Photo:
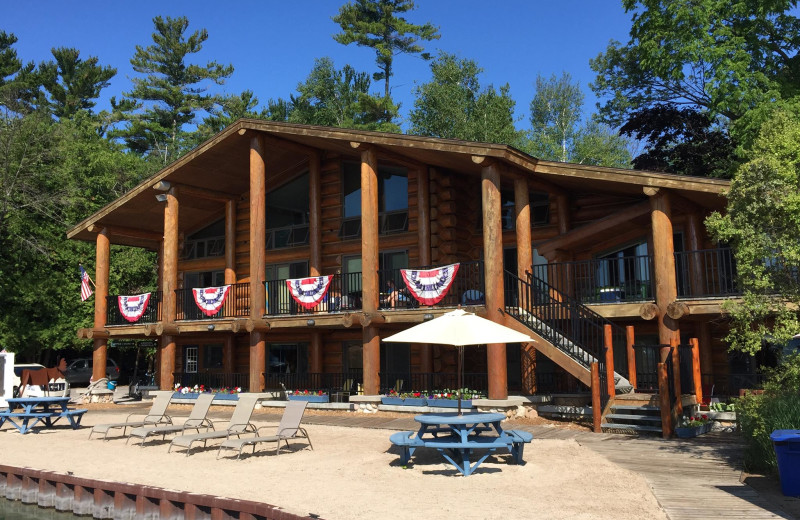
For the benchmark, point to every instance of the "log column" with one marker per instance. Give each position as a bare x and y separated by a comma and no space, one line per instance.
424,245
493,272
522,209
169,277
697,275
230,243
315,245
369,268
102,268
663,264
258,238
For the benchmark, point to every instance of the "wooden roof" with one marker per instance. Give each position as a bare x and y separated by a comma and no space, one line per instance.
218,170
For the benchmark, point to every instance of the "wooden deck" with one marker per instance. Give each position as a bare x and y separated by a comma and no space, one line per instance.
691,479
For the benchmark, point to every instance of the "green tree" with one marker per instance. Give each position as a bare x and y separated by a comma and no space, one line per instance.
557,133
452,105
20,85
171,93
225,113
762,224
376,24
73,83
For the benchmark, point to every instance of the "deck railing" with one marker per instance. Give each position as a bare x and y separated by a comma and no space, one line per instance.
314,381
237,304
152,313
430,381
344,295
467,288
213,379
706,273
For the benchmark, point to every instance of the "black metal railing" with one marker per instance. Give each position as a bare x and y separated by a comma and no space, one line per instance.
213,379
729,385
314,381
571,327
344,295
557,382
237,304
706,273
601,280
467,288
647,359
430,381
152,314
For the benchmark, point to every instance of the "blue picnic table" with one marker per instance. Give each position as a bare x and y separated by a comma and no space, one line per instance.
40,410
457,436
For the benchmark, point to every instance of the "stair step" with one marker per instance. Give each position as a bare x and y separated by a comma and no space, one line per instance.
636,427
634,407
634,417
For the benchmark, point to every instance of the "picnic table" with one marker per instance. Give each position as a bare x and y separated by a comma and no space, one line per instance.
457,436
45,410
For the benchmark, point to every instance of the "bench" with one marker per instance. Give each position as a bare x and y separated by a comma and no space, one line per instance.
457,452
407,443
520,438
74,416
25,419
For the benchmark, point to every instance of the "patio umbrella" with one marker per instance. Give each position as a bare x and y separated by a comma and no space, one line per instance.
459,328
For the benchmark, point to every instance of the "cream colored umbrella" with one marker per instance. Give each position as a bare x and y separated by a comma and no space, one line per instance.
459,328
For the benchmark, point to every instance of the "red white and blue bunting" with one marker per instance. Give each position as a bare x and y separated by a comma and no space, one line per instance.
308,292
429,286
210,299
132,307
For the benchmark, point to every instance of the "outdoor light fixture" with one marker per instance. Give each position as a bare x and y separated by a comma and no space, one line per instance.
311,323
161,197
211,328
162,186
427,316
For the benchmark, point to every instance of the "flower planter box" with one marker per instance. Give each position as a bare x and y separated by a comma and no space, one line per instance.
686,432
410,401
310,398
226,397
450,403
188,395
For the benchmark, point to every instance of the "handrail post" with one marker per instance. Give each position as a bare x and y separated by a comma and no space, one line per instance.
596,411
696,374
608,343
629,340
676,375
663,394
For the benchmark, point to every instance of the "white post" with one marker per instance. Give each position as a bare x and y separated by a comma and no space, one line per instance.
6,377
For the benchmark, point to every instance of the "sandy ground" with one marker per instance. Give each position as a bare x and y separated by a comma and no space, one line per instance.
353,473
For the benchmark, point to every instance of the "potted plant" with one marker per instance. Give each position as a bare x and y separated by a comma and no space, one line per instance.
193,392
317,396
693,426
449,398
404,398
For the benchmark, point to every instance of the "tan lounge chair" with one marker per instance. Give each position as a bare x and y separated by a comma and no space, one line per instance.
197,420
289,428
239,424
156,415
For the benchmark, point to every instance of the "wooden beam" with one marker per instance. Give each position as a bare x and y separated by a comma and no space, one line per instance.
664,265
608,343
242,131
696,374
631,354
256,324
167,328
285,144
677,310
371,318
651,191
258,237
664,404
588,232
315,215
183,190
648,311
124,232
597,412
98,333
483,160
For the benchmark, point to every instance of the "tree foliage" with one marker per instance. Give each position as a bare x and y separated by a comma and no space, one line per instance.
376,24
72,83
762,224
171,93
453,105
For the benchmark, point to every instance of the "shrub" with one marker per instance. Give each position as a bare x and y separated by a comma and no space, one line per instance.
778,408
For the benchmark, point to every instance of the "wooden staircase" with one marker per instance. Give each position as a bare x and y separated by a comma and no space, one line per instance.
633,413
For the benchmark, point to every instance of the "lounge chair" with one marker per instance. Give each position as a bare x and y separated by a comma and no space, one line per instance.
197,420
289,428
156,415
239,424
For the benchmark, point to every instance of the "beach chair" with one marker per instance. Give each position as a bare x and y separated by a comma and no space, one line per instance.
156,415
239,424
289,428
197,420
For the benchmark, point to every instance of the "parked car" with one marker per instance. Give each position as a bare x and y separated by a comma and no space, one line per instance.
79,371
58,388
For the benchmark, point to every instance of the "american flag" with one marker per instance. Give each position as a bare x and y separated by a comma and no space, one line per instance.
86,291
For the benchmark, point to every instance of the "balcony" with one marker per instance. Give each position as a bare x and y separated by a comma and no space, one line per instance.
237,304
152,313
706,273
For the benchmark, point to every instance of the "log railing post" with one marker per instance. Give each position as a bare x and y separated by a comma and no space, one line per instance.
696,374
258,239
609,348
629,340
597,412
664,404
676,375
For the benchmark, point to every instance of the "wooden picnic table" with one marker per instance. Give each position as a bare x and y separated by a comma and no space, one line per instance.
456,436
41,410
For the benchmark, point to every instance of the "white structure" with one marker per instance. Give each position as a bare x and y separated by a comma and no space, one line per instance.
6,377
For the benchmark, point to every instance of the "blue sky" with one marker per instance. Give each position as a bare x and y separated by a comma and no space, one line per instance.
272,45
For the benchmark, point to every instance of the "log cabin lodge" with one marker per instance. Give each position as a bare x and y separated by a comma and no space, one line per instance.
578,257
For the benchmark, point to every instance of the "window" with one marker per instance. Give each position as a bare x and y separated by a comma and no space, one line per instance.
279,301
212,357
392,200
190,359
288,358
203,279
540,209
206,243
352,356
287,214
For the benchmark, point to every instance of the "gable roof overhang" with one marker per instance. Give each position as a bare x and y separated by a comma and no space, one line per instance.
219,170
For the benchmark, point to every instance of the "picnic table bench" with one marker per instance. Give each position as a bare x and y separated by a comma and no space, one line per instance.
462,435
44,410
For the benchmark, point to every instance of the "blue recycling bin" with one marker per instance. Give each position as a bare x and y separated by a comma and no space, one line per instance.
111,385
787,450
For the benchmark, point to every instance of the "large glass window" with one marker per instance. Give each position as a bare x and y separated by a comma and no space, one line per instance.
279,301
208,242
540,209
212,357
288,358
392,200
287,214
